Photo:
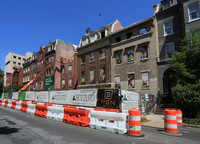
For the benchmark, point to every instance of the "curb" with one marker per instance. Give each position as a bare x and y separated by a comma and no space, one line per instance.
191,125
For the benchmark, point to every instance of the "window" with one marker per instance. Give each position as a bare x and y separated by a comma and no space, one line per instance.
24,59
102,74
169,50
70,69
83,79
144,52
143,31
83,58
131,80
19,63
63,70
84,42
145,79
193,11
19,58
8,84
70,83
168,28
92,38
129,35
14,62
92,76
49,48
8,78
92,56
117,81
166,4
63,83
118,39
118,57
130,55
102,34
102,52
14,56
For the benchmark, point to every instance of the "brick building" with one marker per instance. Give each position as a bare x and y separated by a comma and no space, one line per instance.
17,76
133,58
63,75
94,57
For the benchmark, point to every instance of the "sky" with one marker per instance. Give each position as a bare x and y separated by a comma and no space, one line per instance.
26,24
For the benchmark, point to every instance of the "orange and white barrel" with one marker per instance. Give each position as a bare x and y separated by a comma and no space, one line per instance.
170,122
179,117
134,122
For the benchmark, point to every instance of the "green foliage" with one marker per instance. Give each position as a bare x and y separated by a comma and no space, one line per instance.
195,121
186,92
12,88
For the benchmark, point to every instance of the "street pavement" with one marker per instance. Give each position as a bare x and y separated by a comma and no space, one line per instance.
17,128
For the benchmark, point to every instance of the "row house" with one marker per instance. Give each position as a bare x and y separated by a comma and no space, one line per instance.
17,76
55,71
94,57
174,19
133,58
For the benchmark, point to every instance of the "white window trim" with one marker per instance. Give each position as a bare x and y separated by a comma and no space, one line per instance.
198,12
165,50
165,34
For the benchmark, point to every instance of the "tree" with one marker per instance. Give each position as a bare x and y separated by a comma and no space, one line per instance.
186,92
1,81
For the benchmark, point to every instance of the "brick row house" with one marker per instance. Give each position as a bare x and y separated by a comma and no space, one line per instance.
94,57
57,72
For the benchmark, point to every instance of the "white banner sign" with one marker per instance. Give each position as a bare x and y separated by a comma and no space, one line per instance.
42,96
84,97
30,95
59,97
15,96
130,100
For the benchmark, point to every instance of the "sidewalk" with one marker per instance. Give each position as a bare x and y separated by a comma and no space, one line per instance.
154,120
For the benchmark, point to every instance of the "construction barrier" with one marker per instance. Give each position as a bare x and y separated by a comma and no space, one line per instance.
31,109
6,103
179,117
15,96
9,103
76,117
170,122
55,113
134,122
18,105
107,110
67,106
24,106
1,102
41,111
108,121
13,104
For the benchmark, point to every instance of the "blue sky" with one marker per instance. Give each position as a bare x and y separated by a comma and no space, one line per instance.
26,24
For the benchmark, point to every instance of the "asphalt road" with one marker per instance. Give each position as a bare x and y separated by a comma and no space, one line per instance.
21,128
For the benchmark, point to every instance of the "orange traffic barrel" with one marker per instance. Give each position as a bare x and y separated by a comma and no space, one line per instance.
170,122
134,122
179,117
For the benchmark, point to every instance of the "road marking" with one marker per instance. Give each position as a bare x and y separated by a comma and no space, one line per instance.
184,131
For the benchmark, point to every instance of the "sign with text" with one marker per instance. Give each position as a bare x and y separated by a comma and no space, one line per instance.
108,98
15,96
42,96
84,97
130,100
49,83
30,95
59,97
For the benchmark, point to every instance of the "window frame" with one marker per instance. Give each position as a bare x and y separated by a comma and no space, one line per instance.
92,81
164,28
92,58
132,73
148,82
83,82
166,57
197,11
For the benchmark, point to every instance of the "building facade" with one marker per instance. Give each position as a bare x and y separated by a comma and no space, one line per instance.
133,58
12,61
174,20
94,57
62,75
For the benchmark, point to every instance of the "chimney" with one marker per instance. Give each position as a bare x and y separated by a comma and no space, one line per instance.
88,30
155,9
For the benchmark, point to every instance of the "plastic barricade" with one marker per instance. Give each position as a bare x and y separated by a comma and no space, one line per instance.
47,104
76,117
34,103
24,107
67,106
107,110
179,117
41,111
18,105
55,113
108,121
6,103
31,109
1,102
13,104
9,103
